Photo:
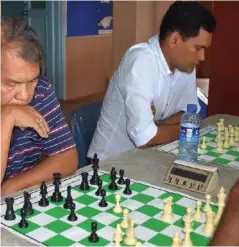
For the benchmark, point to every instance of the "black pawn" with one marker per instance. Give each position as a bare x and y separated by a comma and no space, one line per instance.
69,199
23,223
113,185
99,190
95,178
127,190
84,184
27,204
121,178
72,216
93,238
103,203
56,196
10,214
113,171
43,188
43,201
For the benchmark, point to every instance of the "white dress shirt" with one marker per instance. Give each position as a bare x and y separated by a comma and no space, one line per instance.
142,78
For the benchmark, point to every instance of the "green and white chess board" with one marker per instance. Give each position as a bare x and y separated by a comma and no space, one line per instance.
229,157
49,225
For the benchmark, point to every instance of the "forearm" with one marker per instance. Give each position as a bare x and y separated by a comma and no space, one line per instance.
64,163
174,119
165,133
6,134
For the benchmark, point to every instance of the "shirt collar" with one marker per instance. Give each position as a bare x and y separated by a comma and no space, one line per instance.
154,42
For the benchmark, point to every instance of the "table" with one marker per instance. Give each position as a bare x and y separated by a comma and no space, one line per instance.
147,165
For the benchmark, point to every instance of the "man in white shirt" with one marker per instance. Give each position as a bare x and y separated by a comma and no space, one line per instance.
155,76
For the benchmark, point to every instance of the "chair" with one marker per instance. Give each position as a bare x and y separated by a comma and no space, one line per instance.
83,125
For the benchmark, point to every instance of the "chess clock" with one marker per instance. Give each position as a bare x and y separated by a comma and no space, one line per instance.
193,177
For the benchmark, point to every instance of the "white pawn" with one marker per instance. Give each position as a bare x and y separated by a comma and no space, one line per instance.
198,214
226,144
222,123
117,209
167,212
203,145
130,234
125,221
176,239
207,206
221,196
219,148
209,226
118,236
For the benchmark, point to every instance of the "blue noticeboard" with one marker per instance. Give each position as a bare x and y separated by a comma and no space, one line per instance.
83,17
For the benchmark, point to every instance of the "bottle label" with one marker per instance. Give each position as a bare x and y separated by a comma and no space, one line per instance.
189,134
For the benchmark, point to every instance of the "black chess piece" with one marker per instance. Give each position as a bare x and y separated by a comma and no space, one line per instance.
27,206
113,171
99,190
23,223
95,161
103,203
93,238
127,190
69,199
84,183
72,216
121,178
43,188
10,214
113,185
95,178
43,201
56,196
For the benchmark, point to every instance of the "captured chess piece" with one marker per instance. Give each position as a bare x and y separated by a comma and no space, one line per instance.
121,180
99,190
69,199
84,183
23,223
93,238
103,203
56,196
72,216
10,214
127,190
27,206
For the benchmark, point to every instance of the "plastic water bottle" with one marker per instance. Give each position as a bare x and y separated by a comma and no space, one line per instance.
189,135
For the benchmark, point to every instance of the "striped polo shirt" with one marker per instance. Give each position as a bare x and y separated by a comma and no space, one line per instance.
27,146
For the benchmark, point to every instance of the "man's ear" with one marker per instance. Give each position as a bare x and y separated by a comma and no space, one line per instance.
174,39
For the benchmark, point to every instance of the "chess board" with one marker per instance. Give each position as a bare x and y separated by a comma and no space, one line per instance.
49,226
229,157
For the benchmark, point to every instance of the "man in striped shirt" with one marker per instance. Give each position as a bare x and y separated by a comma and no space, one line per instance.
32,122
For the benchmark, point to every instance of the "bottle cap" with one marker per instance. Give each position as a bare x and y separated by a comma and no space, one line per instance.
191,108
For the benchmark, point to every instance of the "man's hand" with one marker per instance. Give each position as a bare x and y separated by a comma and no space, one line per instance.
25,116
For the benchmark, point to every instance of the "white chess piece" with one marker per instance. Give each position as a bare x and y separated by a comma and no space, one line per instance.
188,220
203,145
117,209
209,225
138,244
219,148
176,240
198,214
125,221
167,212
118,236
130,234
222,123
226,143
221,196
207,206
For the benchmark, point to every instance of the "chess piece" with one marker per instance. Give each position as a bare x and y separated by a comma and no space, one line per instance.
198,214
113,172
93,238
176,239
99,190
203,145
117,209
127,190
207,206
138,244
23,223
113,185
125,222
84,183
43,201
221,204
130,234
72,216
209,225
103,202
188,220
117,236
219,148
167,212
226,143
27,204
69,199
121,178
43,188
95,161
222,123
56,196
95,178
10,214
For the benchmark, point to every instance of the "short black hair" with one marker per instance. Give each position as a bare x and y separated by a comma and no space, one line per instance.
187,17
18,35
